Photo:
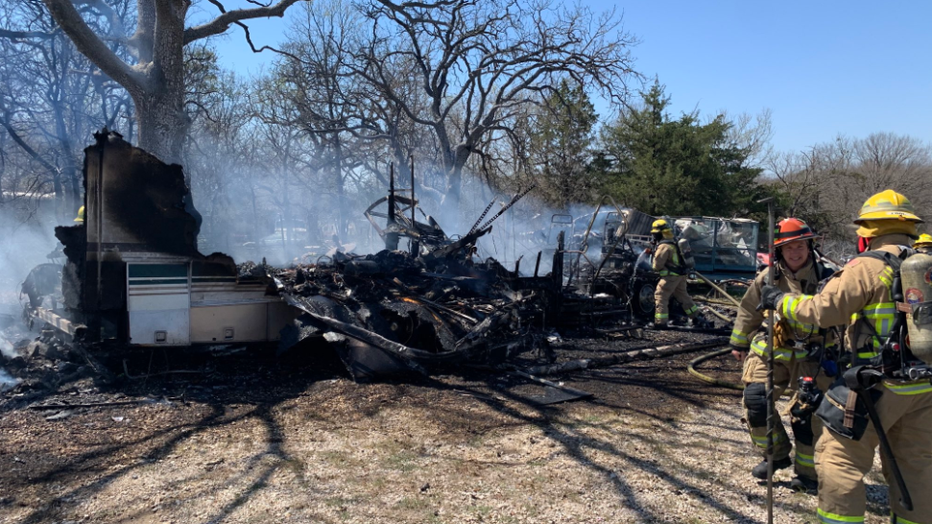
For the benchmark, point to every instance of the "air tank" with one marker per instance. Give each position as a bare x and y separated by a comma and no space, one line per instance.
916,277
687,252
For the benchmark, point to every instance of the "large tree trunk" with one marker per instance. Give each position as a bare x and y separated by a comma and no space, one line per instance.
156,81
451,199
160,103
162,125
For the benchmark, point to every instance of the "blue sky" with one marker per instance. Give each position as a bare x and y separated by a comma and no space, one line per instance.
822,67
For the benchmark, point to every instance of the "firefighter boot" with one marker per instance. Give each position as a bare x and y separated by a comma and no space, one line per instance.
760,470
700,322
801,483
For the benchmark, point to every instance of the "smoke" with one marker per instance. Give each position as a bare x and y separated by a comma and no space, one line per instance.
255,207
9,352
6,348
7,381
27,237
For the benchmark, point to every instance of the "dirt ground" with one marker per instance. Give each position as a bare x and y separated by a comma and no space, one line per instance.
251,437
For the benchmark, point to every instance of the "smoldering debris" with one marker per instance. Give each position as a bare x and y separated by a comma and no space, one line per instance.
390,313
31,368
134,278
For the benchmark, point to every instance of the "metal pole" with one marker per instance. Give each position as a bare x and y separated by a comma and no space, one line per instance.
770,349
391,235
415,247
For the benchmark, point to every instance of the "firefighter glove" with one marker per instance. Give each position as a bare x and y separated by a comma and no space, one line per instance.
770,297
738,348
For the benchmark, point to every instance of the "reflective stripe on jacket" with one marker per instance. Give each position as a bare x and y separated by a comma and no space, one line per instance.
749,322
666,261
860,295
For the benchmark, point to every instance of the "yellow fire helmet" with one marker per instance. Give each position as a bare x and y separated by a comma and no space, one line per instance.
924,240
80,218
659,226
887,205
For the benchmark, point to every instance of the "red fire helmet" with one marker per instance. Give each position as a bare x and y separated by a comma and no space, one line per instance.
790,230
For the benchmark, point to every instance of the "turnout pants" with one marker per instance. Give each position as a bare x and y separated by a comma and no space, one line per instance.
675,287
786,373
842,463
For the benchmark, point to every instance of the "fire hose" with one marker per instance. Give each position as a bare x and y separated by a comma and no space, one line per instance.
709,356
724,293
705,378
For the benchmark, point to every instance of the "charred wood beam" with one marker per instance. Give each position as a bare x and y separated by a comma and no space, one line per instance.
460,244
489,324
578,392
422,300
648,352
406,353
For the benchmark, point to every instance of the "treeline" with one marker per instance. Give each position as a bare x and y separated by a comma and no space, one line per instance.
478,99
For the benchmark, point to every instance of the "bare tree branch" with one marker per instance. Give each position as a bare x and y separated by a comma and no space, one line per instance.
24,35
4,121
223,22
92,46
263,48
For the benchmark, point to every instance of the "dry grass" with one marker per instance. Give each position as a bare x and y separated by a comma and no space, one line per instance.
363,454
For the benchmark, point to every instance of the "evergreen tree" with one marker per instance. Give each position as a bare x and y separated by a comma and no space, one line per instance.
676,167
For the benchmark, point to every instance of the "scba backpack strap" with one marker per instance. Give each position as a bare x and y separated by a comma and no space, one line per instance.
896,292
842,411
679,269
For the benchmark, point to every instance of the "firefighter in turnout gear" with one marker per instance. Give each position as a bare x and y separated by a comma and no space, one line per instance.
799,348
667,262
924,244
862,296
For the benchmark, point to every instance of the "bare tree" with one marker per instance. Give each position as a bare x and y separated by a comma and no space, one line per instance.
828,183
49,95
753,132
155,76
476,63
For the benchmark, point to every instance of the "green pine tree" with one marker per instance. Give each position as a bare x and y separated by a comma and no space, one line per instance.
663,166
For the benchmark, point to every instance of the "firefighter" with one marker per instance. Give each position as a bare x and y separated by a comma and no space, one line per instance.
862,296
667,262
924,244
80,218
799,349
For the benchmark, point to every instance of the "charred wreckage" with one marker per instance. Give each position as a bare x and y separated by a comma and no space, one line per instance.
132,276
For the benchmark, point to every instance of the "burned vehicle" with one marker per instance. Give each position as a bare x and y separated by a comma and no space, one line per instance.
612,280
607,269
134,278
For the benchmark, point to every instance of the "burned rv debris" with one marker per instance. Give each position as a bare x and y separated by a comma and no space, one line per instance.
417,309
132,277
607,274
132,274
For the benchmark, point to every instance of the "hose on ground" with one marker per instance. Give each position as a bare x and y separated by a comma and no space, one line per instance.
719,315
705,378
719,289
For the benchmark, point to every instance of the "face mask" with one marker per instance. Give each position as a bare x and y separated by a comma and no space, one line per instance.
863,244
